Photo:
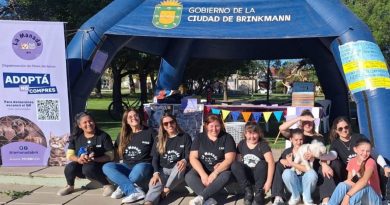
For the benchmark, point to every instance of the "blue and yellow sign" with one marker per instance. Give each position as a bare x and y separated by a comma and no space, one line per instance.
167,14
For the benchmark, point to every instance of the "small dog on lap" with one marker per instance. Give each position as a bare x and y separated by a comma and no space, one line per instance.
316,148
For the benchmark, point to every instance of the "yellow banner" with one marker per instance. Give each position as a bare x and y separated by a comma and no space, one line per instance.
225,113
368,64
267,115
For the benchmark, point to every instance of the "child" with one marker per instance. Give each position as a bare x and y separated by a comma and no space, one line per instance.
254,157
297,184
362,184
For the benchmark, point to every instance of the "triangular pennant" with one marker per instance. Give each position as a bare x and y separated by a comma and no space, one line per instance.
246,115
266,116
215,111
235,115
256,116
208,109
278,115
225,113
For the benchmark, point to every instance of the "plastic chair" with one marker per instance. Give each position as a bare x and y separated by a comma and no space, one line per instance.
326,106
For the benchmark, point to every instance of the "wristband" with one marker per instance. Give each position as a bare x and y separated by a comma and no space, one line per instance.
158,173
348,195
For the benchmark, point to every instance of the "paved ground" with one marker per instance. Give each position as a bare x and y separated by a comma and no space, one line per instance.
39,185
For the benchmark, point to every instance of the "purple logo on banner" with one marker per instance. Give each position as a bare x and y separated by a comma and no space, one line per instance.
27,45
24,154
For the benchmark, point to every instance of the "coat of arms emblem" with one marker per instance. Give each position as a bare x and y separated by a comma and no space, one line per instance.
167,14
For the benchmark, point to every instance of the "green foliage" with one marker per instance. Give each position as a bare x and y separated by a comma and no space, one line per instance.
15,194
376,14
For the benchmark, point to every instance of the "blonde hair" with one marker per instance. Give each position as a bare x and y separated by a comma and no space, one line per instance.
162,136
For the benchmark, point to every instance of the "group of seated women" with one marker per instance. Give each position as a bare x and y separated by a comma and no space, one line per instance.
162,160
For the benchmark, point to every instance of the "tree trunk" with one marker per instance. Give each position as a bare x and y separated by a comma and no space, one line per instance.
143,86
225,88
116,90
131,84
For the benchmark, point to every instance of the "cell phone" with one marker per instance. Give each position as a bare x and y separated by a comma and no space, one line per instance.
355,178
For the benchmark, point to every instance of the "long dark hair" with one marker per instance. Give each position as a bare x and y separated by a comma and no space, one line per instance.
126,133
333,130
76,130
363,164
162,135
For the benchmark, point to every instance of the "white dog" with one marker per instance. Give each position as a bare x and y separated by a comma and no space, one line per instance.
316,148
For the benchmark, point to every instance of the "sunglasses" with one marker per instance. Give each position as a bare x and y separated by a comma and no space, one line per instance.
341,128
169,122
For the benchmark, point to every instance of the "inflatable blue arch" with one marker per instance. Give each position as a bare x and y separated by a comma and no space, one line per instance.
341,46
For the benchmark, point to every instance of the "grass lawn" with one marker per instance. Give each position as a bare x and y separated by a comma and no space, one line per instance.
98,108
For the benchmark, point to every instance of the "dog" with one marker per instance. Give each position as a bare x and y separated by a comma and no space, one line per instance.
316,148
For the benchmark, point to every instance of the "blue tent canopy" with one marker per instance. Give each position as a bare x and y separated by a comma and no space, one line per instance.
324,31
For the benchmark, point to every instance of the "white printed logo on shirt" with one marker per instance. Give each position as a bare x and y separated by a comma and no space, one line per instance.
171,156
251,160
209,157
132,151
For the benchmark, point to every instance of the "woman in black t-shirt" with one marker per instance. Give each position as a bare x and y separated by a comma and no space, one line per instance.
255,164
342,142
134,145
325,172
170,154
89,148
211,156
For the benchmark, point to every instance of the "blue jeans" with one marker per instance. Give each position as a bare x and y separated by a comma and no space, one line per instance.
125,176
304,184
366,196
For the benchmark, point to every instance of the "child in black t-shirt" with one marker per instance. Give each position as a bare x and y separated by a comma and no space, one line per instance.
255,164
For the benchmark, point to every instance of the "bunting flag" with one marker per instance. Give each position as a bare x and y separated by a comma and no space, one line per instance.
215,111
225,113
256,116
267,115
246,115
235,115
207,109
278,115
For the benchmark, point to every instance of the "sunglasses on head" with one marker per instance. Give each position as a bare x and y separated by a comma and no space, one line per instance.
341,128
169,122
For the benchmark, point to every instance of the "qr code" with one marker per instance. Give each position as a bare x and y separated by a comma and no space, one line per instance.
48,109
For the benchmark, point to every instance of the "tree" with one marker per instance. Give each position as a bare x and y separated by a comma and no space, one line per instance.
205,72
376,14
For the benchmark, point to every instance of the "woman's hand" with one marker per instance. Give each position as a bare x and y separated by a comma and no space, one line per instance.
326,170
181,165
308,155
289,159
267,187
212,177
306,118
83,159
204,178
156,178
345,200
285,163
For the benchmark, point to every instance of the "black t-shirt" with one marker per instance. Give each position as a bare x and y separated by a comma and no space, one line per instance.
139,148
251,157
101,142
177,148
211,153
345,149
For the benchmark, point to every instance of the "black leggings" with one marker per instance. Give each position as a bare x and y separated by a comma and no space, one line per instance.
247,176
91,170
278,188
193,180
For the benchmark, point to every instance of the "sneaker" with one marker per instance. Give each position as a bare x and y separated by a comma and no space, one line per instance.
278,201
108,190
117,194
196,201
137,195
294,201
65,191
248,196
210,201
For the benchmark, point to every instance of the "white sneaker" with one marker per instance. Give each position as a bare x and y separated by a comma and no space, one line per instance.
210,201
137,195
117,194
196,201
294,201
278,201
